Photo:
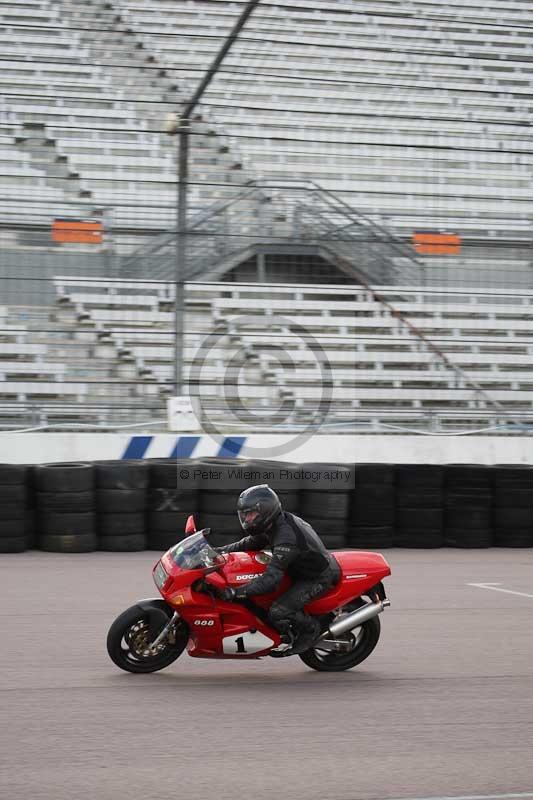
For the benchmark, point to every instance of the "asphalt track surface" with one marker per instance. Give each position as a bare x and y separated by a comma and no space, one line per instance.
444,706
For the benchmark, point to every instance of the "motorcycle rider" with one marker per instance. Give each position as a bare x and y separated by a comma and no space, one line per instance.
297,551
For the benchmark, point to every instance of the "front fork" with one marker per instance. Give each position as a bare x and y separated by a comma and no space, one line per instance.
165,631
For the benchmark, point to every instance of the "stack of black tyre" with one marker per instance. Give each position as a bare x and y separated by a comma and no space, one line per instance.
467,505
31,514
325,501
372,515
131,505
512,511
174,494
66,507
419,505
121,499
15,508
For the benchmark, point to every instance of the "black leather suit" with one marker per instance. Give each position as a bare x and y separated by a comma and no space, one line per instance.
297,551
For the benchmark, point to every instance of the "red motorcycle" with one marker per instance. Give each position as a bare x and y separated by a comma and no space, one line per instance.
153,633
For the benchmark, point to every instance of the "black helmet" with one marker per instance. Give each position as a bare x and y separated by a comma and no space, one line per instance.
257,508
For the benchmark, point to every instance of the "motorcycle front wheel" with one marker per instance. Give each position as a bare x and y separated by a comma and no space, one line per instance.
359,643
128,640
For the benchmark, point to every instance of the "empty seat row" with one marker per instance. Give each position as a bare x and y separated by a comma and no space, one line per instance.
416,82
366,63
490,355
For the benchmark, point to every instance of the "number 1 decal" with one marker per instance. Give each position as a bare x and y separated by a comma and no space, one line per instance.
246,644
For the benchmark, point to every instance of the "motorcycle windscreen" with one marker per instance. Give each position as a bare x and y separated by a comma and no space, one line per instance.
195,552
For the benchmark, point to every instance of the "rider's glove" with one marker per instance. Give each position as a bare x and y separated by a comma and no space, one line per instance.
230,594
227,594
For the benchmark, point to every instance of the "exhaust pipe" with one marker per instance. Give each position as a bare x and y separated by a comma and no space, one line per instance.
356,618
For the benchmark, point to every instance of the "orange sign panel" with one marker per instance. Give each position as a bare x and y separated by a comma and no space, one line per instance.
77,231
436,244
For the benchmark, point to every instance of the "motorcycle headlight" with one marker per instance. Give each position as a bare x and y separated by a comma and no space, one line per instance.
160,576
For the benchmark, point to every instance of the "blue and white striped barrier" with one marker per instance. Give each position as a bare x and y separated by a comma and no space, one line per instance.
183,447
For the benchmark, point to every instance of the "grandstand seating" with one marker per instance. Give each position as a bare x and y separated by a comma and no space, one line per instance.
446,80
401,352
415,117
88,120
432,350
423,123
53,368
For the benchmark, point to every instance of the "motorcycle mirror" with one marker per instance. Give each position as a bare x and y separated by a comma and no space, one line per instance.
190,525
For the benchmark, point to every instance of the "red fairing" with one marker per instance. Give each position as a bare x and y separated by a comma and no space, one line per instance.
360,572
244,567
219,629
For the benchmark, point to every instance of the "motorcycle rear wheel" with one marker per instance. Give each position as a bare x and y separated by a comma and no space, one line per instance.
365,637
128,638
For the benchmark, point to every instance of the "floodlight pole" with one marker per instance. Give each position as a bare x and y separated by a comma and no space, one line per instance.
181,253
183,132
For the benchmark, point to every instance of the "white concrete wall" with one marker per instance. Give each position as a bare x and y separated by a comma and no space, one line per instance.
35,448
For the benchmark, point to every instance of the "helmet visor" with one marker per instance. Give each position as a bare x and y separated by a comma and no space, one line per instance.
248,518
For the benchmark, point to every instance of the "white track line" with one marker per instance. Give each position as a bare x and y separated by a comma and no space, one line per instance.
521,795
495,588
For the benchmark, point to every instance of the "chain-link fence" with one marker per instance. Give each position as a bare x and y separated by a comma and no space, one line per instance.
358,244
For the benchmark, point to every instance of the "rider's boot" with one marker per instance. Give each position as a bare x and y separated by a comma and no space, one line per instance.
306,638
287,639
307,632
